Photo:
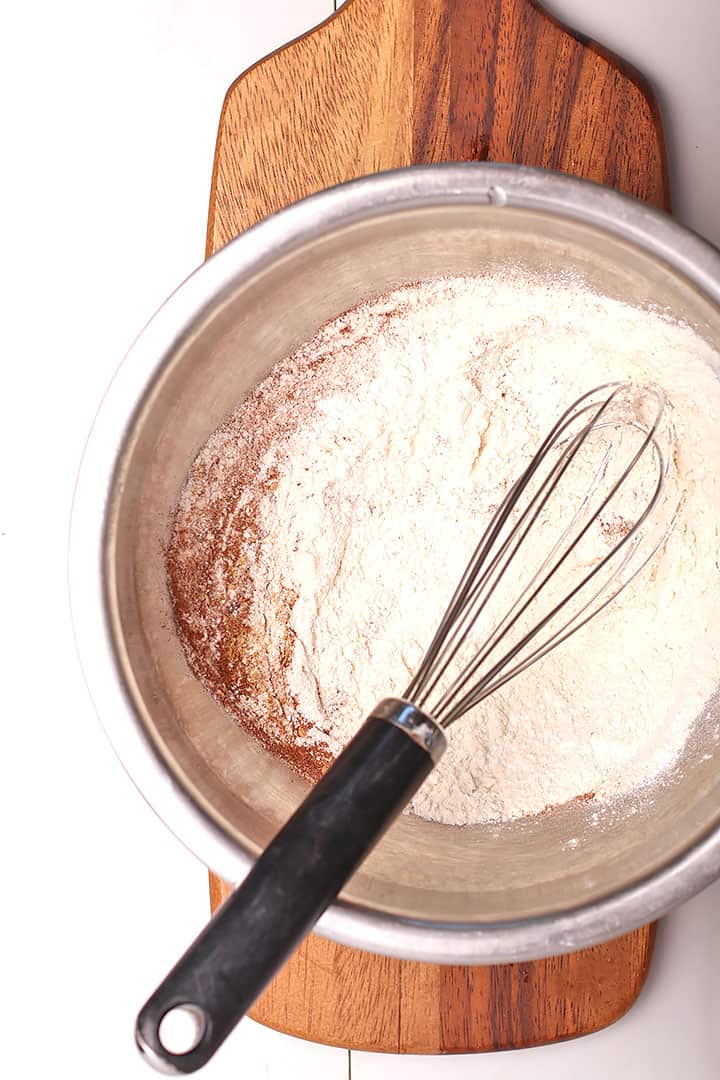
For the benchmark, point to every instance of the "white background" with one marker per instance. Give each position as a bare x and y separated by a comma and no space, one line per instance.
108,127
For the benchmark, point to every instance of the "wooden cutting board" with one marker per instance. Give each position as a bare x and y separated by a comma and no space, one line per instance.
385,83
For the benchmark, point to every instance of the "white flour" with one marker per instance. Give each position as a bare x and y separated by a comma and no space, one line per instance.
382,493
354,485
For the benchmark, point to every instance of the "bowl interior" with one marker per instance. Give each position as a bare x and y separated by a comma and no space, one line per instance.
420,870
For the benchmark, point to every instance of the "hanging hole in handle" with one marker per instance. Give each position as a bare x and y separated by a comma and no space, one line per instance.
182,1028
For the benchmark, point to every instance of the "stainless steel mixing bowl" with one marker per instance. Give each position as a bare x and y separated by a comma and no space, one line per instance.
429,892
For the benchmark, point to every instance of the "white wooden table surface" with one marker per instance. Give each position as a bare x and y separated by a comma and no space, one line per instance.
109,121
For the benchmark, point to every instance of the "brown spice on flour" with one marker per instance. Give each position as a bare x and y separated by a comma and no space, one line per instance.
217,527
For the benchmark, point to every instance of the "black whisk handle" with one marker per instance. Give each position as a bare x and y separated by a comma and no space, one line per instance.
301,871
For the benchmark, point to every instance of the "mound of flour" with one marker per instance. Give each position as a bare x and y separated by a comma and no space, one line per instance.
324,526
381,489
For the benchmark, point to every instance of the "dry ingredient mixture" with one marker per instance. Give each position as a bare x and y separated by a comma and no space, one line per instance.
324,526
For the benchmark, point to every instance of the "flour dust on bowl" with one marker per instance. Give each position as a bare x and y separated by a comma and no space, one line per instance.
485,892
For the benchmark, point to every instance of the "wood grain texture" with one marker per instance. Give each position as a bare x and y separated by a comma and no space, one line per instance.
381,84
331,994
386,83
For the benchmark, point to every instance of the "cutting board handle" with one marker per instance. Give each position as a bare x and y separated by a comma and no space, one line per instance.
385,83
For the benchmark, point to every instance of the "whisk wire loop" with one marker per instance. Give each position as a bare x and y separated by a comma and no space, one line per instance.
506,533
443,649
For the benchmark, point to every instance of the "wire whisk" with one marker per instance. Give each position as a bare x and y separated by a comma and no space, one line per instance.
622,437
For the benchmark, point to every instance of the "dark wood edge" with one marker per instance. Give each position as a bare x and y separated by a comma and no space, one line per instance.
640,81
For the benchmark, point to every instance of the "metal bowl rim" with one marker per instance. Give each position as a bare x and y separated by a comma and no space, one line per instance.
383,193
